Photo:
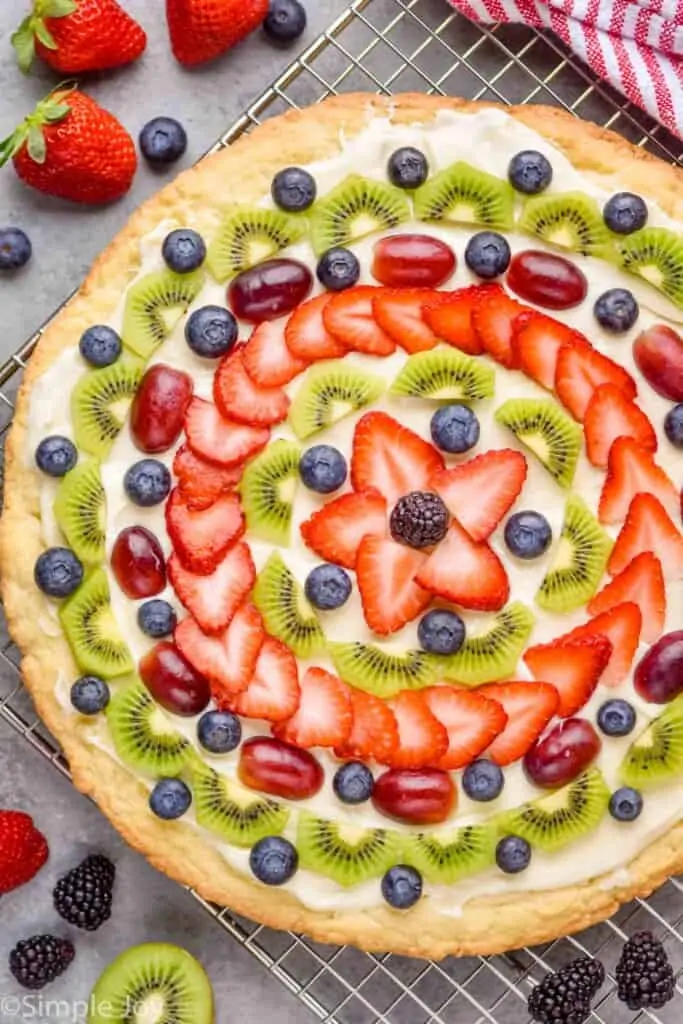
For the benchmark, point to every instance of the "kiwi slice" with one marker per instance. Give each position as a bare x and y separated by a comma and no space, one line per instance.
492,652
655,254
369,668
347,853
92,631
285,610
267,488
446,857
570,220
444,374
552,821
238,815
329,392
463,193
355,208
579,563
142,733
154,305
250,236
542,427
155,983
100,403
657,753
80,509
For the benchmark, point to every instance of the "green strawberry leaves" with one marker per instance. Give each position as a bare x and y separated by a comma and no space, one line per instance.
33,27
30,132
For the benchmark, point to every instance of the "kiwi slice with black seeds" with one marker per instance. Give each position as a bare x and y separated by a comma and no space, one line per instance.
463,194
250,236
369,668
446,857
493,650
238,815
562,816
569,220
143,735
656,755
100,402
80,510
92,631
286,612
154,305
267,488
349,854
356,207
444,374
579,561
542,427
329,392
656,255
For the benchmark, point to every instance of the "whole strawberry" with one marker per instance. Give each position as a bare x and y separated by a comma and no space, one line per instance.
203,29
23,850
72,148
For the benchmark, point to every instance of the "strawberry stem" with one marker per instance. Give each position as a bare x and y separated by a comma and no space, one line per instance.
33,27
30,132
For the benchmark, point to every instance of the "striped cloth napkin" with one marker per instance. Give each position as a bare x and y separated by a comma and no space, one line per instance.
636,45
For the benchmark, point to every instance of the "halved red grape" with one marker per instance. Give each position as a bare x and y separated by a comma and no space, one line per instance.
659,676
158,410
273,766
173,682
546,279
423,796
412,261
563,754
138,563
270,290
658,354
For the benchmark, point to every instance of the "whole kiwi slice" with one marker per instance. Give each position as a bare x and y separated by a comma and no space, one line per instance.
464,194
657,753
100,403
542,427
268,487
446,857
142,733
329,392
154,305
655,254
238,815
444,374
356,207
579,563
285,610
249,236
552,821
570,220
349,854
369,668
92,631
155,983
80,510
492,651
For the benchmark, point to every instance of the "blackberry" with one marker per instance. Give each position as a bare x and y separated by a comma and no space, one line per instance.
83,897
562,998
419,519
644,974
586,971
37,961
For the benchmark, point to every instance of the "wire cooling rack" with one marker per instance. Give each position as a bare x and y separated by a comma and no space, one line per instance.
396,46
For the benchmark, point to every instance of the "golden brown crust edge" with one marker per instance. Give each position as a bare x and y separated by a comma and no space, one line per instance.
486,925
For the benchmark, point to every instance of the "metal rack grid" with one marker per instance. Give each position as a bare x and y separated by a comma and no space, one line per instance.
395,46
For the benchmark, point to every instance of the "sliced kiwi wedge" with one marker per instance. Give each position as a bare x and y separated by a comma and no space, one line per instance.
249,236
369,668
492,651
446,857
542,427
100,403
80,510
463,194
267,489
92,631
569,220
329,392
579,562
143,735
444,374
349,854
154,305
656,255
236,814
355,208
566,814
656,755
285,610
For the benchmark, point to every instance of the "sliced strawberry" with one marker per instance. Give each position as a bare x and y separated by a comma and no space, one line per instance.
469,574
386,572
573,667
335,531
273,693
471,722
422,739
307,337
201,482
324,717
580,370
350,318
220,440
493,320
642,582
648,528
529,707
632,470
390,458
238,398
621,625
450,318
609,415
374,734
267,359
213,600
400,314
201,537
536,342
228,661
481,491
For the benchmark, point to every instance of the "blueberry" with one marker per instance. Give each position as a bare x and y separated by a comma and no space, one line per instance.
616,310
163,140
487,254
323,469
56,455
219,732
338,269
58,572
527,534
625,804
328,587
170,799
616,717
294,189
156,618
441,632
353,783
673,425
100,345
454,428
408,168
183,250
513,854
530,172
285,21
90,695
625,213
273,860
211,331
147,483
402,887
15,248
483,780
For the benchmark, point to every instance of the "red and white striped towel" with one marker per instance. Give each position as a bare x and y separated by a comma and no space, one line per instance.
636,45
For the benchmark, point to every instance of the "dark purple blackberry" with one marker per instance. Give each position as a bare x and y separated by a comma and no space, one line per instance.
37,961
644,974
561,998
83,897
587,972
419,519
